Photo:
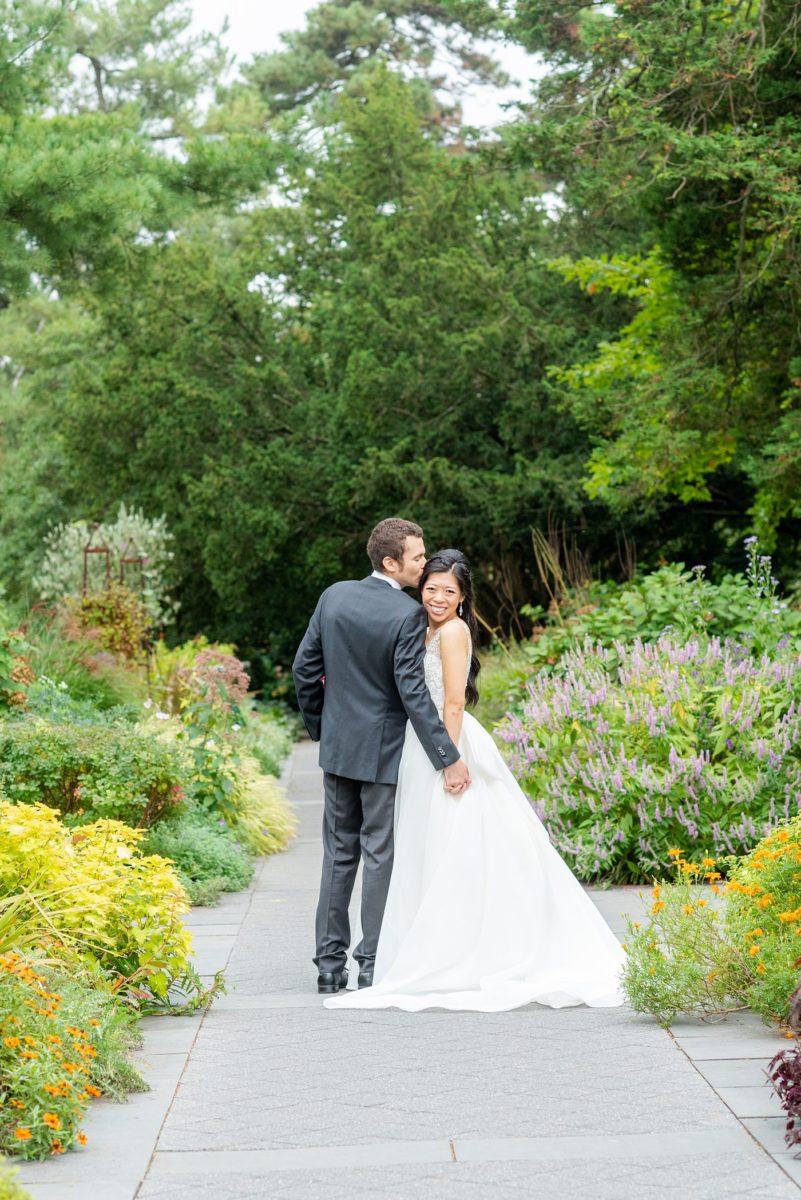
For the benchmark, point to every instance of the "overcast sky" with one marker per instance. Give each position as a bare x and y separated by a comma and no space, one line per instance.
255,28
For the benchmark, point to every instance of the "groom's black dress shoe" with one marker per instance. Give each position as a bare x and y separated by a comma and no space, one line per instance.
332,981
365,979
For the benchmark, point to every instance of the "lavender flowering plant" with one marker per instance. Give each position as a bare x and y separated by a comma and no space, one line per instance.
631,749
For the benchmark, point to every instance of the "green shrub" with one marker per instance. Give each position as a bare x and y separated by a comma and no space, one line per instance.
62,657
90,771
115,618
268,738
735,944
205,856
684,602
502,682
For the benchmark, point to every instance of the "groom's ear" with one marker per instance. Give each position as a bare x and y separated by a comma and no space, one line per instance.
390,566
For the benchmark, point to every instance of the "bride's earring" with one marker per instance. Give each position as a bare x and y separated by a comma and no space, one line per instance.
460,608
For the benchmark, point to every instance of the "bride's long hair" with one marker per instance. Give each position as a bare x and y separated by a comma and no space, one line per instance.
453,562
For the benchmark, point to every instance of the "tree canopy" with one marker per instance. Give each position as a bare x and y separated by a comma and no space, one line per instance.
281,313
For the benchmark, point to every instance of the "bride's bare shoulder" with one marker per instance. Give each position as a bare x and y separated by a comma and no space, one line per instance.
454,633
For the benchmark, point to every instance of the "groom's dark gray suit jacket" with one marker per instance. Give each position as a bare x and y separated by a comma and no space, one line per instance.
367,639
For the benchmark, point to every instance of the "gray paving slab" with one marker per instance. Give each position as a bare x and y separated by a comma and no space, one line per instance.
650,1178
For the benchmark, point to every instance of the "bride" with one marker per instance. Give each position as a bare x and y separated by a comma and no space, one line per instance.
482,913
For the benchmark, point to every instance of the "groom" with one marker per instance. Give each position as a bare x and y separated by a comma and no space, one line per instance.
359,676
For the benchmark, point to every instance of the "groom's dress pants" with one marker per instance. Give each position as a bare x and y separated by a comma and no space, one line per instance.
358,821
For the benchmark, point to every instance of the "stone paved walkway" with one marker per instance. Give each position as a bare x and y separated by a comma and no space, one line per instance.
273,1096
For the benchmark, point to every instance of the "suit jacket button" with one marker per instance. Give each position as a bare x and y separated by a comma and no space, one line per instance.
442,752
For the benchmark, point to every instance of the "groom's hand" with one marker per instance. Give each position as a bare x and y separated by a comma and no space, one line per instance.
457,777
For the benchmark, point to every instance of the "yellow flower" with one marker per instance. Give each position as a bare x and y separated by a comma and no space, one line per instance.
657,892
765,901
711,976
707,862
761,968
687,908
711,877
674,852
754,950
701,903
657,906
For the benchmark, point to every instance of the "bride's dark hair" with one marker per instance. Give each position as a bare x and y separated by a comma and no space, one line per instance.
453,562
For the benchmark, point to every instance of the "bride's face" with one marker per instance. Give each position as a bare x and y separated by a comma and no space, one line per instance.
441,596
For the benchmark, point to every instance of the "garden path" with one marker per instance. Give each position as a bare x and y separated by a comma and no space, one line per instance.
271,1095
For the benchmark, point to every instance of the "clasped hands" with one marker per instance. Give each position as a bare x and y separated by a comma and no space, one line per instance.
457,778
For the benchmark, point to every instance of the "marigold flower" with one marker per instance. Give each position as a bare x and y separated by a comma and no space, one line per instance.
28,1054
674,852
94,1021
11,1042
765,901
657,906
701,903
657,891
57,1147
52,1120
711,976
761,968
52,1089
707,862
16,1104
29,1041
22,1133
687,908
92,1090
81,1138
711,877
753,950
55,1039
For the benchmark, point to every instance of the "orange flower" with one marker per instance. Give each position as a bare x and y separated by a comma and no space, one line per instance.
11,1042
82,1139
711,877
52,1120
657,891
687,908
56,1147
761,968
16,1104
52,1089
754,950
92,1090
22,1134
707,862
29,1041
674,852
94,1021
657,906
54,1038
765,901
28,1054
701,903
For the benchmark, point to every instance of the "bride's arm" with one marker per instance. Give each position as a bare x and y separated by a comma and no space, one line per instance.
453,649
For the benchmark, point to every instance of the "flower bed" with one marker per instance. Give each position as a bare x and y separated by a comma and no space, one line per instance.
629,750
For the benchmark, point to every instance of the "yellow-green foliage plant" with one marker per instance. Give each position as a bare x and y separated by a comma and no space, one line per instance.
10,1189
107,901
170,671
728,945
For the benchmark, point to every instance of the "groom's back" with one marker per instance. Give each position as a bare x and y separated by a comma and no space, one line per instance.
363,718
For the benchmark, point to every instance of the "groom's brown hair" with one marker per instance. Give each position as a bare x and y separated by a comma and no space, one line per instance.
388,540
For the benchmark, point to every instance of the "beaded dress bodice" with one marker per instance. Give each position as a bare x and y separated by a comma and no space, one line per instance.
433,669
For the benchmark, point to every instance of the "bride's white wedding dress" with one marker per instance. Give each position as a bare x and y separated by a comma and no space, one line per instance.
482,913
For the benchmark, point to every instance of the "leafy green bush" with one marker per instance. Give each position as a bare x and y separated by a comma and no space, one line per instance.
116,618
268,738
745,606
15,673
206,858
60,655
631,750
738,944
89,771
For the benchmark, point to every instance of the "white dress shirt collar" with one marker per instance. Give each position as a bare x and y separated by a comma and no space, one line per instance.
387,579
